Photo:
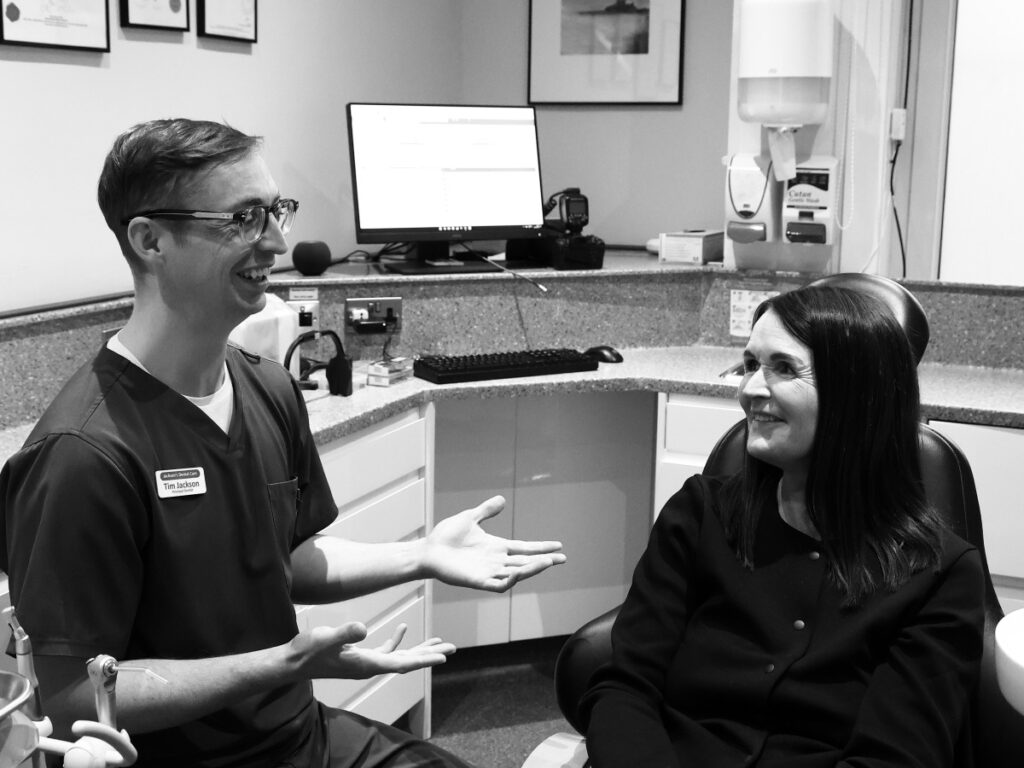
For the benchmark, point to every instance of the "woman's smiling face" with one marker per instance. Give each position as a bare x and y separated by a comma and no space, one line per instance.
779,396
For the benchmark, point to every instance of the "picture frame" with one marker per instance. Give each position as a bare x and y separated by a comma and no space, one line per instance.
76,24
606,52
227,19
155,14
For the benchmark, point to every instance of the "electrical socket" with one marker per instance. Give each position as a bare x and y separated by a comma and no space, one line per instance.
309,314
374,315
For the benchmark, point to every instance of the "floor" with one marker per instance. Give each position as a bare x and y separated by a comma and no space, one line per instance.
494,704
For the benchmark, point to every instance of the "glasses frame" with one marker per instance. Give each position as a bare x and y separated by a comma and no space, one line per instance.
238,217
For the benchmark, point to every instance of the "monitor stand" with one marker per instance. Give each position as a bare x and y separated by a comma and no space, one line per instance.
434,258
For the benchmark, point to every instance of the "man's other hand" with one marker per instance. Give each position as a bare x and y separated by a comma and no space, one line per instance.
330,652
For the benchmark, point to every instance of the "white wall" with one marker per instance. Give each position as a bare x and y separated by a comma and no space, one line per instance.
984,170
644,169
658,169
61,110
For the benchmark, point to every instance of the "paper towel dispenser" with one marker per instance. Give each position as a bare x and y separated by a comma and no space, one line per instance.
785,51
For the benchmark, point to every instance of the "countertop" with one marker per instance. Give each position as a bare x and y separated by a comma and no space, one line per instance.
952,393
968,394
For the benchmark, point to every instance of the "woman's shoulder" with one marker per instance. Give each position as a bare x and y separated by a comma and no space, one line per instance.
703,488
955,551
701,497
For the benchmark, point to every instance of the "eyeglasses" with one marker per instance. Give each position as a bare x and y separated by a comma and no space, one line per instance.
252,221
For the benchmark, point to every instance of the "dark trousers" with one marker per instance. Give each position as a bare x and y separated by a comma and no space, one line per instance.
347,740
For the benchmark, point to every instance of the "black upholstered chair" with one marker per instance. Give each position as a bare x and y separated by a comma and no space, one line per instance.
994,737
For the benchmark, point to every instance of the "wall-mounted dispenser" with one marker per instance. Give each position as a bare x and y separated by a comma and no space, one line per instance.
808,208
784,70
751,200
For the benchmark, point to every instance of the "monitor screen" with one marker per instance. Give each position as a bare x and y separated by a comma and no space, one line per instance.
433,175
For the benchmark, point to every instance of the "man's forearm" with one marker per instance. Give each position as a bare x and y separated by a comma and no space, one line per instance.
326,569
193,687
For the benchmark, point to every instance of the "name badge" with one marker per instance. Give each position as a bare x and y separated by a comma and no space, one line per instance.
187,481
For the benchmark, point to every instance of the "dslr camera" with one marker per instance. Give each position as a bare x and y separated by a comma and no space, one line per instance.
563,245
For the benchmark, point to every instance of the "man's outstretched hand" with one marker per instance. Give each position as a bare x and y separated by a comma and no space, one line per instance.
324,652
459,552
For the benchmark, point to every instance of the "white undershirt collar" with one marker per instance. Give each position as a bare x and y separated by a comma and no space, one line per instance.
218,406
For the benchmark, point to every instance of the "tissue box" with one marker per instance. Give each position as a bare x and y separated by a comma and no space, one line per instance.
384,373
691,246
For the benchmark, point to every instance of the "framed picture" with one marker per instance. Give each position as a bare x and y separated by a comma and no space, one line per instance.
227,19
155,14
79,24
606,51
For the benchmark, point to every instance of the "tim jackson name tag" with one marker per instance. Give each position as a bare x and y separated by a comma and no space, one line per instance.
187,481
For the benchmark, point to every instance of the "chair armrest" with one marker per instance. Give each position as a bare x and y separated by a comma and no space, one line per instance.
587,648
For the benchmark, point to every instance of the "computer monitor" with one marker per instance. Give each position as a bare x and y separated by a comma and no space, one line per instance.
432,175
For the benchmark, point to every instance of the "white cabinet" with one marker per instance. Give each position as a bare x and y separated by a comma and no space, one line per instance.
474,459
576,468
382,483
689,426
995,455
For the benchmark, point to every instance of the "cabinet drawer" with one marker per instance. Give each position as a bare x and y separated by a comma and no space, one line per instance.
694,424
357,695
376,458
994,455
393,517
392,697
369,609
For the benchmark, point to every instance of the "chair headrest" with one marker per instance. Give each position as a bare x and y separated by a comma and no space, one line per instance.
903,303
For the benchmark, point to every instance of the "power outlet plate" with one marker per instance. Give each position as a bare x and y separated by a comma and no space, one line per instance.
365,315
309,314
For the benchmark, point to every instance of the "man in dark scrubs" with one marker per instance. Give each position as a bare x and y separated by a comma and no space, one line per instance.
165,509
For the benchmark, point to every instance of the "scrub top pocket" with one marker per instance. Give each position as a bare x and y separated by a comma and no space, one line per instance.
283,499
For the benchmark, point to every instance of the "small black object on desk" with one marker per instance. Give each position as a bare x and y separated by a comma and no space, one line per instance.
602,353
338,369
311,257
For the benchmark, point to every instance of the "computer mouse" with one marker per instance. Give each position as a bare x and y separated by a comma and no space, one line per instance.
604,354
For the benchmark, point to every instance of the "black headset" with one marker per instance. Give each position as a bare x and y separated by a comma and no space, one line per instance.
338,368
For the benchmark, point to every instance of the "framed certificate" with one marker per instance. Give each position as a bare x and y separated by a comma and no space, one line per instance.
606,51
228,19
155,14
80,24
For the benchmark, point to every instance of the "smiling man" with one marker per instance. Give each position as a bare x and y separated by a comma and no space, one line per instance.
165,508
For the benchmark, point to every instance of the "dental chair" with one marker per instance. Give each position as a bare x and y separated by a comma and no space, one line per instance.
993,736
25,731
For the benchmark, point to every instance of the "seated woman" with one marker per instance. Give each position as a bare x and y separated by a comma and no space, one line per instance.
811,610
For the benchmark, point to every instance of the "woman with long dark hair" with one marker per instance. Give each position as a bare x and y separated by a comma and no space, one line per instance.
811,610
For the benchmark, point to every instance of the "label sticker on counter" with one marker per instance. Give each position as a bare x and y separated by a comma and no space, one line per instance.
741,310
186,481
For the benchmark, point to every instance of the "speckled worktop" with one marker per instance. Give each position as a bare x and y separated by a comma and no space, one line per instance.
953,393
671,322
948,392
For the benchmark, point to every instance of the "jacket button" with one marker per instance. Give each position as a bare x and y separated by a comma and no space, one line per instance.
814,555
769,668
799,624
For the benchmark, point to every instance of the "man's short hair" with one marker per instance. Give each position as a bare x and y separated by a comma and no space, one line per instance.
153,164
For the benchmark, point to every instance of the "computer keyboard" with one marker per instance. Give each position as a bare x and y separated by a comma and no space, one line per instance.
448,369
